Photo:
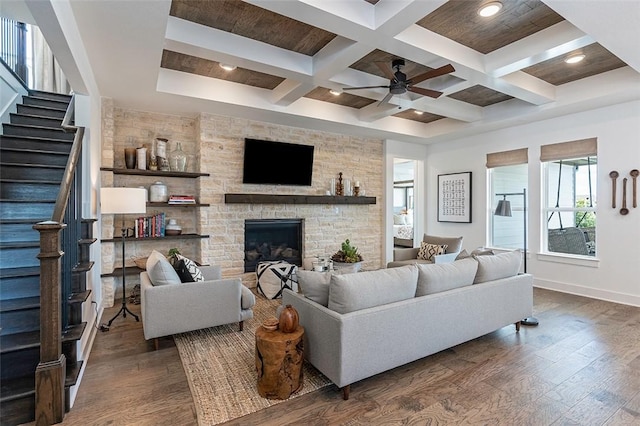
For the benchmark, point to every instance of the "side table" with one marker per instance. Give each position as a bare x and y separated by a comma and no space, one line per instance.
279,359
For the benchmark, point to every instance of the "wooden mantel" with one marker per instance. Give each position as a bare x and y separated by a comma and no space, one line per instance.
295,199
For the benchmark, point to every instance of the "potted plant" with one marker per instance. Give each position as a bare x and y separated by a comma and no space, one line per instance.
172,255
347,256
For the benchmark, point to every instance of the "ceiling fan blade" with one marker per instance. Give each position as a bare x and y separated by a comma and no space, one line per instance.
424,92
386,98
365,87
433,73
384,67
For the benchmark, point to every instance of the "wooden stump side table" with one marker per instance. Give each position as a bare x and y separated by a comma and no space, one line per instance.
279,359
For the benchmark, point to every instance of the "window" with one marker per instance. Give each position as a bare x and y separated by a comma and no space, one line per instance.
570,199
508,173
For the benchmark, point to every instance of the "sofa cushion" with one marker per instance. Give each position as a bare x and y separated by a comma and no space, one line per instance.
445,276
247,298
183,272
160,271
192,268
352,292
315,285
429,251
501,265
454,244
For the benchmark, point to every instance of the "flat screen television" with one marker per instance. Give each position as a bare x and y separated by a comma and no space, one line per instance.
277,163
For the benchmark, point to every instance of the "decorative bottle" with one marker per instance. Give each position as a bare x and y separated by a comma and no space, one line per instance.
178,159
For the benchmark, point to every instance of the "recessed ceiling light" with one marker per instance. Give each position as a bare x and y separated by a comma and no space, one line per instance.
574,59
227,67
489,9
335,92
418,112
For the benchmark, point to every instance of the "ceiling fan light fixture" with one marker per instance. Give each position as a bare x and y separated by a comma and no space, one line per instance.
574,59
489,9
335,92
227,67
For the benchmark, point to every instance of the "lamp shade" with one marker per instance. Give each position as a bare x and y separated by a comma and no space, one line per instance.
123,201
504,208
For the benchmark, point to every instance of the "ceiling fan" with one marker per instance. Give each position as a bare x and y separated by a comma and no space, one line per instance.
399,83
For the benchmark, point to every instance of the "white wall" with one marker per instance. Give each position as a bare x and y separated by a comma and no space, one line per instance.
615,274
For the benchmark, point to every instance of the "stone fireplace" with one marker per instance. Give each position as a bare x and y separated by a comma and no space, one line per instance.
272,239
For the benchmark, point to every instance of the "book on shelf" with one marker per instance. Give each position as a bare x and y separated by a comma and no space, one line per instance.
150,226
182,199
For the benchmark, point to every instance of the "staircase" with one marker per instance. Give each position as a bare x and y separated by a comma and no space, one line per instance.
34,151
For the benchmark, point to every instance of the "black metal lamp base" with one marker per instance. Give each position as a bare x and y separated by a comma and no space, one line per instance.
529,321
123,310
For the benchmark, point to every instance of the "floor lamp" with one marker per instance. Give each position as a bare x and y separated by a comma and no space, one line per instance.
504,209
123,201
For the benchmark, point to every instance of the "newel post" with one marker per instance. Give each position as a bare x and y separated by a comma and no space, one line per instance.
51,370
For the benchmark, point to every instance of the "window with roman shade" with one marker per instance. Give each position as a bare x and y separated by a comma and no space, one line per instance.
508,173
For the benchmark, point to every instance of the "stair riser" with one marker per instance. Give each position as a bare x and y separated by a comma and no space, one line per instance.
37,132
19,287
34,110
30,173
78,282
18,322
18,411
18,231
48,103
35,121
20,142
28,191
20,363
25,210
19,257
30,157
48,95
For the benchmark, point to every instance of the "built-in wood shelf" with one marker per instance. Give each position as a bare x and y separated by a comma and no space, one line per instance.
161,205
166,237
129,270
295,199
138,172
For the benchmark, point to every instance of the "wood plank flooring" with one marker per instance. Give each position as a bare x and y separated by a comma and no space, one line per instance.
581,366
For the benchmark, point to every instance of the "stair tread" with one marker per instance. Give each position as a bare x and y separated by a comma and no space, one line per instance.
6,200
20,272
21,114
83,267
40,98
35,151
21,387
87,241
79,297
19,304
33,126
31,181
47,166
32,221
31,339
37,138
44,107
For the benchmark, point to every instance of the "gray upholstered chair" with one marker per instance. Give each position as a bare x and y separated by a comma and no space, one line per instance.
176,308
409,256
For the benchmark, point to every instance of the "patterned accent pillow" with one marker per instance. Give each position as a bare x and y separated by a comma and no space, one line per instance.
428,251
191,266
183,272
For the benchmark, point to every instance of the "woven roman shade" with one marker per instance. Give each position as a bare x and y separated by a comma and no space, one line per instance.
568,150
507,158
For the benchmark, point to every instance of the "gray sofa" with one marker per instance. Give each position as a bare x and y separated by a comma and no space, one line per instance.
176,308
409,256
378,320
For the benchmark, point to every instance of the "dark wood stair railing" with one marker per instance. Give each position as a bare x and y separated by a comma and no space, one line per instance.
51,371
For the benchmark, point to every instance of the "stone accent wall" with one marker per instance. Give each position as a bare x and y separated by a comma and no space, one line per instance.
215,145
326,226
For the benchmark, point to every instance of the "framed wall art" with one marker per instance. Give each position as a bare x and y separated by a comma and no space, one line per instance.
454,197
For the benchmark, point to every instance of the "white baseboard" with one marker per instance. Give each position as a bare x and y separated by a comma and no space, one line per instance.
86,350
594,293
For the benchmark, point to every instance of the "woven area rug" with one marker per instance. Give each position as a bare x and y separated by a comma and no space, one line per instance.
220,367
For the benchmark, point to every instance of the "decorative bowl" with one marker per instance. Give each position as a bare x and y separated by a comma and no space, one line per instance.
270,324
172,232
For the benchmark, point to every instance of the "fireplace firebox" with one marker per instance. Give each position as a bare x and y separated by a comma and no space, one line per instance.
272,239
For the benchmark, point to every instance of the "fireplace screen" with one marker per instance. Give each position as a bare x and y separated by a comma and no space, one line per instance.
272,239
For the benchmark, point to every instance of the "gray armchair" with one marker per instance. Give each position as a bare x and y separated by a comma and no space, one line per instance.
409,256
177,308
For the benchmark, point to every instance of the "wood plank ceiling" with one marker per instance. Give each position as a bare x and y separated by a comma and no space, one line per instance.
456,20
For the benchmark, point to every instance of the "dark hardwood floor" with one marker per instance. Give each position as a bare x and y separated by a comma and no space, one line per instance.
581,366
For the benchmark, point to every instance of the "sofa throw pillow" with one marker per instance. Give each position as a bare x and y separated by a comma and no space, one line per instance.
501,265
315,285
428,251
160,271
463,255
435,278
183,272
399,219
454,244
191,267
353,292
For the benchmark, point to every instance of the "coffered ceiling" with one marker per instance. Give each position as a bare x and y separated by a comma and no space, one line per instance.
288,55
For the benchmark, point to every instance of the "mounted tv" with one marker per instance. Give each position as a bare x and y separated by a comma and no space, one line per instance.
277,163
